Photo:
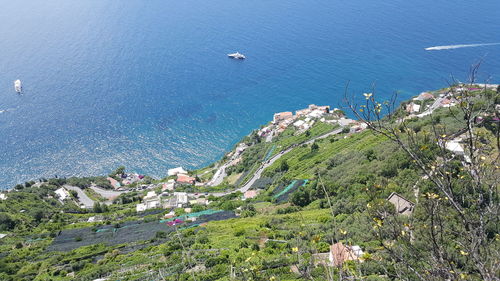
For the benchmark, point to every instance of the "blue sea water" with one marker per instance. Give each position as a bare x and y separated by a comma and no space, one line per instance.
147,84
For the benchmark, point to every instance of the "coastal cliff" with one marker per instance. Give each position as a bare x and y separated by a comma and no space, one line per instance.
312,195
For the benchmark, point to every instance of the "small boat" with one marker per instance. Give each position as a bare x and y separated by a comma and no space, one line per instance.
237,56
17,86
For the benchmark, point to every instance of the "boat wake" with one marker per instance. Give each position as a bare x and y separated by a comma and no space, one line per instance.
7,110
449,47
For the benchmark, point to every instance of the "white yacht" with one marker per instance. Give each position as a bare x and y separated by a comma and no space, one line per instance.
17,86
237,56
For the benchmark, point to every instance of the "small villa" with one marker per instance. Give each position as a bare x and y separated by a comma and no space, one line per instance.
185,179
177,201
150,201
175,171
62,193
412,108
281,116
424,96
403,205
340,254
169,185
114,183
250,194
447,103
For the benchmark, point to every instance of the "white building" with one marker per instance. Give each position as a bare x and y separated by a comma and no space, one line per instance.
3,196
150,201
456,148
170,185
413,108
62,193
151,194
175,171
140,207
177,201
182,197
345,122
316,113
299,123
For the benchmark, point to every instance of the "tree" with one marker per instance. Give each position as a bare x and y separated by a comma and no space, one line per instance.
453,231
6,222
74,194
120,170
314,147
38,215
97,208
300,198
248,211
284,166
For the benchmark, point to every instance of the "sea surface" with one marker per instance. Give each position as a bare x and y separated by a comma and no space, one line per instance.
147,84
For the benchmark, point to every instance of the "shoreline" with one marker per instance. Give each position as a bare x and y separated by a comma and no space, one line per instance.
215,163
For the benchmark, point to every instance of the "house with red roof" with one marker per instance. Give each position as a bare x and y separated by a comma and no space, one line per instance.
185,179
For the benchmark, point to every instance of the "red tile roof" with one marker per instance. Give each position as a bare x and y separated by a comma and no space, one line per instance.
185,179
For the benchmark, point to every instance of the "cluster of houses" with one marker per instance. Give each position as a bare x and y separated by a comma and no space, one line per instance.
420,106
302,120
182,177
166,200
168,197
125,179
235,156
441,99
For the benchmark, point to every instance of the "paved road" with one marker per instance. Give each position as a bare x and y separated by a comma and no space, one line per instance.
219,176
268,163
108,194
273,159
82,197
434,106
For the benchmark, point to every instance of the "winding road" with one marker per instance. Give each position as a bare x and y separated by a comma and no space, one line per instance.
106,193
273,159
266,164
216,180
82,197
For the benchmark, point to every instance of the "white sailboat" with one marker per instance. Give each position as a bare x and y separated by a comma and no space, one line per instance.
237,56
18,86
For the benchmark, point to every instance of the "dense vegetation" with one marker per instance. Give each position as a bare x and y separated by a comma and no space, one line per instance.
349,178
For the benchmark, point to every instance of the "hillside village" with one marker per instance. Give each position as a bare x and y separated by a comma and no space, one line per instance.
252,206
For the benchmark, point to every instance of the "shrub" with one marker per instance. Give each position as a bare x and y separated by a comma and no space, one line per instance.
239,232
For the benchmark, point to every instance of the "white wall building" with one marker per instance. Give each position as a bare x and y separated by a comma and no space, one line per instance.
150,201
182,197
175,171
62,193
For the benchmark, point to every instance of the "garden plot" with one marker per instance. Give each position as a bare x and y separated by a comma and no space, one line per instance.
281,194
127,232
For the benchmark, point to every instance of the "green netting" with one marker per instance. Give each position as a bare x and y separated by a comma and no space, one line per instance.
290,186
191,215
269,153
191,226
286,189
